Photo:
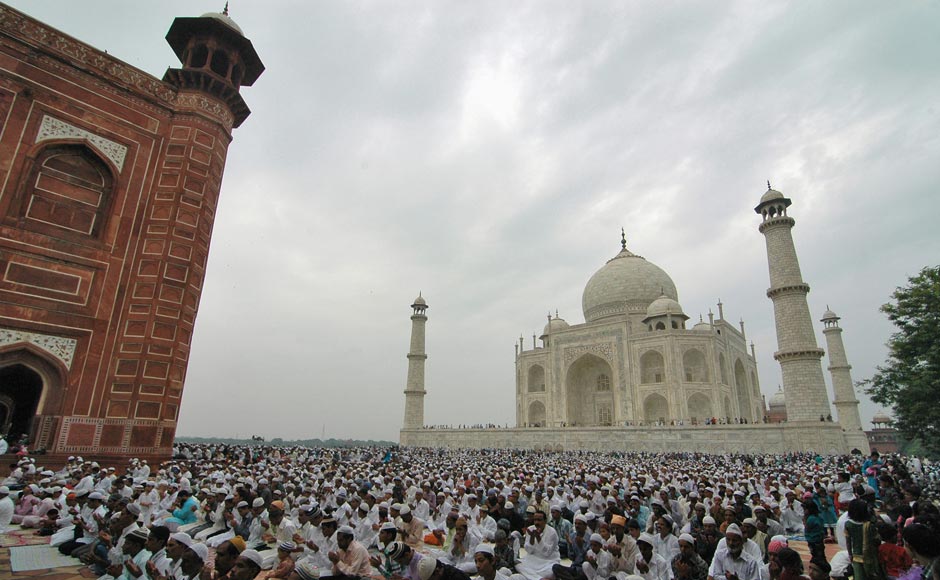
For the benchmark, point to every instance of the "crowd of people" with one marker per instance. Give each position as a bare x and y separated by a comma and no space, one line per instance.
220,512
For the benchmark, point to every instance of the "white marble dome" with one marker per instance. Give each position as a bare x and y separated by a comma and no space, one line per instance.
554,325
771,195
626,283
224,19
663,306
779,399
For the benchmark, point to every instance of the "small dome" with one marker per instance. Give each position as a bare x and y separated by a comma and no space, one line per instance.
554,325
829,315
664,305
702,326
224,19
626,283
779,399
771,195
881,417
420,301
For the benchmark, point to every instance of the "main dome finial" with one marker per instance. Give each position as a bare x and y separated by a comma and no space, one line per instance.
623,239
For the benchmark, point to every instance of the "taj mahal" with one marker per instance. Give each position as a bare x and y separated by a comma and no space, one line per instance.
635,375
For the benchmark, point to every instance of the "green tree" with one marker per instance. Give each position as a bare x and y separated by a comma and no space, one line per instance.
909,381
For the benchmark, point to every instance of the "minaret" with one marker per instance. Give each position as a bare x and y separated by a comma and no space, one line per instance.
798,354
414,389
842,385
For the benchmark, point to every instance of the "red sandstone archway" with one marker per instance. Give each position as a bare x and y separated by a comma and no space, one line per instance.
34,382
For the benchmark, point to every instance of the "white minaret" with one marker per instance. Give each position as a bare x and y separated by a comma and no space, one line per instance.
798,354
842,386
414,388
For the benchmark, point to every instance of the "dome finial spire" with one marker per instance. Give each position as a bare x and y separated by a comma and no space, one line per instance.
623,239
768,185
225,10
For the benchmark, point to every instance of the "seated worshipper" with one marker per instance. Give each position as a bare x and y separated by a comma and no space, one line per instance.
410,527
597,560
385,564
304,570
29,500
791,565
771,570
664,542
504,552
38,515
485,560
687,564
159,562
247,566
562,527
193,561
894,559
351,559
650,565
462,547
185,512
541,546
579,542
732,562
750,546
431,569
285,564
622,547
819,569
86,523
107,550
135,556
407,558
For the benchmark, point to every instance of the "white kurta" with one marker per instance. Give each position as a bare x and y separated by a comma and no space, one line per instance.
541,554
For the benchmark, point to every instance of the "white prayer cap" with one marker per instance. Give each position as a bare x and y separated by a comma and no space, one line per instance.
347,530
182,538
687,538
307,570
388,527
257,502
4,490
252,556
201,550
647,538
597,538
404,510
426,567
708,520
734,529
485,549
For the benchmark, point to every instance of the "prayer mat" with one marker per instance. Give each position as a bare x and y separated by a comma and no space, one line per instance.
21,538
26,558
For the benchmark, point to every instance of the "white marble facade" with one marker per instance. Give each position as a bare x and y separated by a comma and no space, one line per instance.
634,362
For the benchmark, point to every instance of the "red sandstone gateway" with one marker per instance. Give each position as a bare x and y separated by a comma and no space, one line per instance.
109,180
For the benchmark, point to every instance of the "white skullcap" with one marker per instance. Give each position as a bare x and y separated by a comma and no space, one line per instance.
597,538
485,549
182,538
404,510
252,556
647,538
201,550
347,530
687,538
426,567
257,502
708,520
734,529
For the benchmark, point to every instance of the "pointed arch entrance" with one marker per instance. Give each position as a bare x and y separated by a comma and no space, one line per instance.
590,399
31,394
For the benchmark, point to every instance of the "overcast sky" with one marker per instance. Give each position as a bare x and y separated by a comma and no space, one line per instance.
488,153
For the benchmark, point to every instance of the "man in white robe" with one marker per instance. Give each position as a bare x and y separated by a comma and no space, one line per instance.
541,546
